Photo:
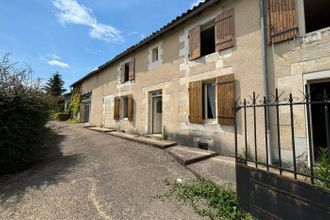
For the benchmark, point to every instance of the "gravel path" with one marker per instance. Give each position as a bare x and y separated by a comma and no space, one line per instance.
91,175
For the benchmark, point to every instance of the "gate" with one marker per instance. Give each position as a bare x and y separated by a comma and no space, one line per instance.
273,182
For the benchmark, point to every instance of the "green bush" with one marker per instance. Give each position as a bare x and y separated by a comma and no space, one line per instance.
61,116
74,120
23,115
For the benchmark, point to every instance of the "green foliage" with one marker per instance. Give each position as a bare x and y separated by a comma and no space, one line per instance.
74,120
207,199
164,133
75,101
322,170
61,116
23,115
246,154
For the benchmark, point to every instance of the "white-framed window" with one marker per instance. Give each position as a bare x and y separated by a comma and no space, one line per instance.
154,54
209,100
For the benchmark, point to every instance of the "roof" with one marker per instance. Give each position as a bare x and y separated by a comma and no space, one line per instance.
169,26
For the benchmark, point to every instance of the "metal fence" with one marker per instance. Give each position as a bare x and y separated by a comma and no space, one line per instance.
272,105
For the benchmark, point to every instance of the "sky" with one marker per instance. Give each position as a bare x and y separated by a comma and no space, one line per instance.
74,37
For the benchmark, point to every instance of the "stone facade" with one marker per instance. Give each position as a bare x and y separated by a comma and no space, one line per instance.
289,62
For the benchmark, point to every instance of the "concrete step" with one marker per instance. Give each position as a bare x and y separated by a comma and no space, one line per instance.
143,140
99,129
220,170
188,155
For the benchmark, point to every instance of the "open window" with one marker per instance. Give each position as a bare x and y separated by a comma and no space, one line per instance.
317,14
209,103
215,35
207,39
125,106
126,73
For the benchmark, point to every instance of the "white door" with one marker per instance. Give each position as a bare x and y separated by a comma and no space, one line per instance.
157,110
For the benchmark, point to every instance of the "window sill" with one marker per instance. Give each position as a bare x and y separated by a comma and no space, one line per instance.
209,121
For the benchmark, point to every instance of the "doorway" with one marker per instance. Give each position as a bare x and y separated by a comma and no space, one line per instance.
320,117
156,112
85,112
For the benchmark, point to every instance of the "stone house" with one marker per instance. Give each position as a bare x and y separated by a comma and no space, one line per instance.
182,81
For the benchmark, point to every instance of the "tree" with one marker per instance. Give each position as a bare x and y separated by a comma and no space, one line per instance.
54,86
54,89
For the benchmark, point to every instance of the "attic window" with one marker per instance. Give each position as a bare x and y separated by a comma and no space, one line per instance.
154,54
208,40
316,14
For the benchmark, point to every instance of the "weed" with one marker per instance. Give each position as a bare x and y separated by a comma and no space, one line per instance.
207,199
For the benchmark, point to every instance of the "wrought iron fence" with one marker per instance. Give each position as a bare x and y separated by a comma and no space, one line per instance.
271,106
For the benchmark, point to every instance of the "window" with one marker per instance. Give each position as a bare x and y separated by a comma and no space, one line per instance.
316,14
207,41
209,109
126,73
154,54
125,106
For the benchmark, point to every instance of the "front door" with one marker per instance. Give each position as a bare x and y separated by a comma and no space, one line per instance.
157,110
320,119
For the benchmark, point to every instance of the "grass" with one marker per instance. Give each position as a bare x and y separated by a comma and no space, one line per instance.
206,198
73,120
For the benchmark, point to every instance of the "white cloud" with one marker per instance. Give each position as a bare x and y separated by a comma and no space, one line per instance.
58,63
197,2
71,12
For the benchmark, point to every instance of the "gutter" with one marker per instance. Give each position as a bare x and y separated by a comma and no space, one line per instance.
265,73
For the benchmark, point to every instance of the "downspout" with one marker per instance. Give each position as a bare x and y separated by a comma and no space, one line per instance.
265,72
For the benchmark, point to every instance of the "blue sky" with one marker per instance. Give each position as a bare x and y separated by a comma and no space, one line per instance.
74,37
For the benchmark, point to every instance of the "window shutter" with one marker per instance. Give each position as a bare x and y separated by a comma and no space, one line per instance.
117,108
122,73
225,30
281,20
195,43
226,99
131,70
130,107
195,102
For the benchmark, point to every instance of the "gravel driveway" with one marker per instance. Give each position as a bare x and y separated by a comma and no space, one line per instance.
91,175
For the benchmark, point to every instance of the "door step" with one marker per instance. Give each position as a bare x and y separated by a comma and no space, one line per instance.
99,129
188,155
143,140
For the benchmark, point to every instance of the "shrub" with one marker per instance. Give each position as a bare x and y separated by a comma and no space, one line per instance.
61,116
23,115
322,170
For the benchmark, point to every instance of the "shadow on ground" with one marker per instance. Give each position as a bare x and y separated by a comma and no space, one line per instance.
51,169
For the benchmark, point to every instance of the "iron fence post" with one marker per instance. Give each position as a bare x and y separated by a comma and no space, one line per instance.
293,137
278,130
327,126
255,129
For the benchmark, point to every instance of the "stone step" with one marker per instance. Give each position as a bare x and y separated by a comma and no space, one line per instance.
143,140
220,170
99,129
188,155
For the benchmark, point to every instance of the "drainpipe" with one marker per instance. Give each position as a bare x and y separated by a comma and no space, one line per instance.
265,72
